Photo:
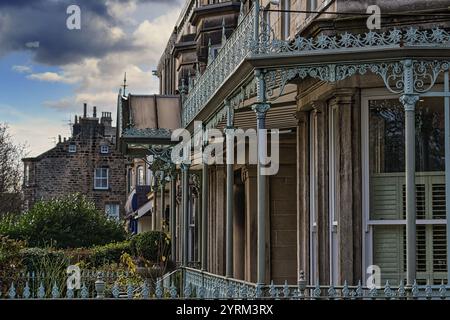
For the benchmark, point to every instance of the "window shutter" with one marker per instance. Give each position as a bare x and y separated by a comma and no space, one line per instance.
387,244
385,197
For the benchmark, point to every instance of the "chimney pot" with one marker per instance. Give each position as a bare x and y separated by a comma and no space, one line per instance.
59,138
95,112
76,119
85,110
64,139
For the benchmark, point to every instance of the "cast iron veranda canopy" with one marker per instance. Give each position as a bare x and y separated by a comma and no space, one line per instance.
145,121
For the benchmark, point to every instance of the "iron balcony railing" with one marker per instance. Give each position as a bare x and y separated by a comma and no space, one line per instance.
234,51
205,285
254,35
188,283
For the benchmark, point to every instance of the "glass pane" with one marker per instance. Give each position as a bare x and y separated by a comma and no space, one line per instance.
387,184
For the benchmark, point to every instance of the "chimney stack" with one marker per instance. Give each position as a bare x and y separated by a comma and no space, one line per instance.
85,111
76,119
64,139
59,138
95,112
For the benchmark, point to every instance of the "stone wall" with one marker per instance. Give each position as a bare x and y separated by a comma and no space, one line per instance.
58,172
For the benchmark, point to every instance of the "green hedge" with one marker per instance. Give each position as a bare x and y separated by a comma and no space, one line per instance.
67,222
109,253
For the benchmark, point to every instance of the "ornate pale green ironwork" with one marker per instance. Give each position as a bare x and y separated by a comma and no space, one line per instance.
116,290
130,290
12,291
243,43
41,291
203,285
157,133
55,291
268,43
26,291
145,290
84,291
236,48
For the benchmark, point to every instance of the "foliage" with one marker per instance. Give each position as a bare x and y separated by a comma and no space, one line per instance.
10,255
153,246
127,273
49,266
36,259
10,172
109,253
68,222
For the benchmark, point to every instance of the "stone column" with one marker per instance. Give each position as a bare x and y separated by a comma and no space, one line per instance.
346,228
249,178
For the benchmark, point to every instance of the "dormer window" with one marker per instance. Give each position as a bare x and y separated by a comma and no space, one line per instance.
104,149
72,148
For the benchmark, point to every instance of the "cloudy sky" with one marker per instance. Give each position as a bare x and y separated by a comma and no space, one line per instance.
48,71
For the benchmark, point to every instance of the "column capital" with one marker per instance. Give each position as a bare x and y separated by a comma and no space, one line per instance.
301,116
318,106
260,72
261,108
343,96
409,101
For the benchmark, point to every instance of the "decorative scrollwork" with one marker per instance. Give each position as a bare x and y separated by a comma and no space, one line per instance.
243,42
426,74
162,159
159,133
392,74
234,51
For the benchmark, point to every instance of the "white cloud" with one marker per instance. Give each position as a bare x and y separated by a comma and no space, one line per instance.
62,104
22,69
98,80
51,77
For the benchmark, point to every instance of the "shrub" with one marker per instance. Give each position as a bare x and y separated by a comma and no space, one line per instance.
67,222
109,253
41,259
10,257
153,246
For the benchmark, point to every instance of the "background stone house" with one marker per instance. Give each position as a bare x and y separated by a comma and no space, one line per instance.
86,163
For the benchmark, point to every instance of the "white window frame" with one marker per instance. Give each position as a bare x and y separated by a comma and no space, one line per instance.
72,148
101,178
108,207
104,149
367,223
138,176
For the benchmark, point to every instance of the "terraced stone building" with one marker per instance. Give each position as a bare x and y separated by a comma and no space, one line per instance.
86,163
